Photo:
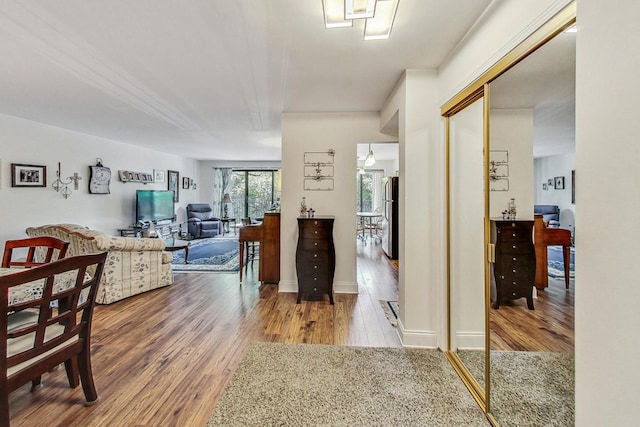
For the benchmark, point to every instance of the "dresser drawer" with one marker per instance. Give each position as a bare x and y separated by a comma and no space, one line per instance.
314,245
310,231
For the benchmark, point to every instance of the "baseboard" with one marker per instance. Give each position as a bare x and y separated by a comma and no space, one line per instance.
470,340
418,339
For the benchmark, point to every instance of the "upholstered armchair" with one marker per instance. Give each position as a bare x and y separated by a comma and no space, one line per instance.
202,222
134,265
550,214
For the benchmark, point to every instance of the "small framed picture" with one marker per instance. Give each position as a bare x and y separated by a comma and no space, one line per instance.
143,177
158,175
559,183
544,186
550,182
28,175
124,176
185,183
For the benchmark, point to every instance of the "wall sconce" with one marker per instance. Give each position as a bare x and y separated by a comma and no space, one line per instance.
62,187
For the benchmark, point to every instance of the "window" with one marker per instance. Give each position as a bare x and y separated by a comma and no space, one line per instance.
369,190
254,192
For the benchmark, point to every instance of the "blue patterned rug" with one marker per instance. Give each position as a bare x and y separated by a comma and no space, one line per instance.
218,254
556,264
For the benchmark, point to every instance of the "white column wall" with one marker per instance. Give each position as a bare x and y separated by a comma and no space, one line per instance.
318,132
607,230
421,166
512,130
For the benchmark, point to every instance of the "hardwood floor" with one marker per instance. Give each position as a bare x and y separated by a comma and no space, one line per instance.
550,327
163,358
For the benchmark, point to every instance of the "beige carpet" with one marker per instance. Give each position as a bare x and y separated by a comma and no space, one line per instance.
321,385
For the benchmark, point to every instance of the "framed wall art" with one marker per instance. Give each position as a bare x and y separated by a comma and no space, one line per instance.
158,175
186,182
173,179
559,183
28,175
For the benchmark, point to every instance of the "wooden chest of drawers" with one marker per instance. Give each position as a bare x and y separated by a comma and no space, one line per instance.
515,261
315,258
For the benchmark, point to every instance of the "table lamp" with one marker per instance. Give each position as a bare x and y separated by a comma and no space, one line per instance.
226,200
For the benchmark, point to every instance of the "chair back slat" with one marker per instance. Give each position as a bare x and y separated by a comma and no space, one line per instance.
40,250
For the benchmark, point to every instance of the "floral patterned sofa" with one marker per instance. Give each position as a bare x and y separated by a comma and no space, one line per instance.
133,266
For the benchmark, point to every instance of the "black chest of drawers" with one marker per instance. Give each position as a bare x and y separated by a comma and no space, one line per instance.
515,261
315,258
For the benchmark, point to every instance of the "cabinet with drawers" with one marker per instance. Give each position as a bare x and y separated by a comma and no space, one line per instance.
515,261
315,258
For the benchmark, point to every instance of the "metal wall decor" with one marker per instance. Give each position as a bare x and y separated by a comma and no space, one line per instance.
318,170
499,170
61,186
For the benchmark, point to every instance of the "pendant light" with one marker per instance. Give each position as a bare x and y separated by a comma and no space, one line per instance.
370,160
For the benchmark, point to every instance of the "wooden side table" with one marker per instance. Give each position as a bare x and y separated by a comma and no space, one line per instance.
178,246
227,228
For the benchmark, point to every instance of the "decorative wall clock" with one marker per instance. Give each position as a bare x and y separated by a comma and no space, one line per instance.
99,179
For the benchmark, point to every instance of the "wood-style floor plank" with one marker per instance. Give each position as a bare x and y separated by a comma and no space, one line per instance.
163,358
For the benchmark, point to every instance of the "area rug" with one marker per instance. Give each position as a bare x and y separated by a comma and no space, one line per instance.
208,255
556,264
323,385
528,388
391,310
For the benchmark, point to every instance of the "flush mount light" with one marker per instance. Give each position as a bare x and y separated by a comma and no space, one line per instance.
334,14
359,9
379,27
378,14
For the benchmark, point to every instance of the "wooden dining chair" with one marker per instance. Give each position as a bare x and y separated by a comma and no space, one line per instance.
250,246
40,333
40,250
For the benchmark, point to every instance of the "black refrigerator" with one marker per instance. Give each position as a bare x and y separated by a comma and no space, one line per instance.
390,220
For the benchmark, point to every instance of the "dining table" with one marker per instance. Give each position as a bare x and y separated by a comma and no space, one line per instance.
367,219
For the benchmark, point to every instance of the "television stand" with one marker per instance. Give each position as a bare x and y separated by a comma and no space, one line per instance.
164,230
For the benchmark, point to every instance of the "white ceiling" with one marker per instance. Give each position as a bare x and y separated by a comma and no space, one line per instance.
207,79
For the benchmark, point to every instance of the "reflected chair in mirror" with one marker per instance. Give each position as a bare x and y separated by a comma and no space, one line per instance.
50,328
40,250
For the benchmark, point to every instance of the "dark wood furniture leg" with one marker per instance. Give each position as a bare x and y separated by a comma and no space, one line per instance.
566,255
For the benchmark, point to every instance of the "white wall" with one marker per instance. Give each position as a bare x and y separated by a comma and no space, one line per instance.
607,231
318,133
546,168
27,142
512,130
421,209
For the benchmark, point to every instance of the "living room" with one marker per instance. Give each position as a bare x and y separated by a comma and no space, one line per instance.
28,142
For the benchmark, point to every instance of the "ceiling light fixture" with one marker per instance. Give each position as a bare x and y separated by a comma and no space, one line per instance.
359,9
370,160
334,14
378,15
379,27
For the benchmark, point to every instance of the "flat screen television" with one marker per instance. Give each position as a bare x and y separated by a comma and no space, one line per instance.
154,205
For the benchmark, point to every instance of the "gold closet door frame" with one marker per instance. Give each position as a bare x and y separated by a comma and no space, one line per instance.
477,89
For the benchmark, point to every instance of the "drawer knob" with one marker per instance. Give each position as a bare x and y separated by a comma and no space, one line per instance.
315,255
315,243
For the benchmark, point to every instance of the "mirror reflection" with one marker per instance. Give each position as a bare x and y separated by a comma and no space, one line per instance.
466,239
533,133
